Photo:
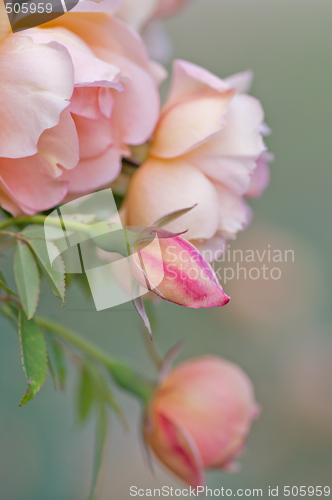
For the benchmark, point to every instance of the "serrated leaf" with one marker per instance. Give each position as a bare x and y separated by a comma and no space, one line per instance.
33,355
100,451
45,254
85,394
27,278
51,370
4,286
58,360
102,392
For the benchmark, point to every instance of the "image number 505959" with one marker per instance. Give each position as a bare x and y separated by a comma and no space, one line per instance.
28,8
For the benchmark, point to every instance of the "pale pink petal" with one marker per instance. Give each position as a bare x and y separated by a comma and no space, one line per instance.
176,449
88,69
184,126
136,110
106,101
85,102
234,213
94,173
109,33
160,187
92,102
39,187
158,72
95,136
261,176
7,201
241,136
233,172
218,419
188,79
59,145
36,83
35,182
241,81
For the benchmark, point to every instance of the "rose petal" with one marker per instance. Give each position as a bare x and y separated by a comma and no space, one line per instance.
34,182
176,449
59,145
186,125
241,136
95,136
188,279
94,173
88,69
36,83
241,81
188,79
221,421
233,172
261,176
160,187
234,213
136,110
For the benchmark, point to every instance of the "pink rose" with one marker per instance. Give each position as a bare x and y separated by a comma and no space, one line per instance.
36,84
199,417
114,102
204,150
187,279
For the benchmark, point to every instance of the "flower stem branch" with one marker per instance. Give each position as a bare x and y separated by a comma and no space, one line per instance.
124,375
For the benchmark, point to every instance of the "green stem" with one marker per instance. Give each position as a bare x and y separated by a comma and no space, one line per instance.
29,219
54,222
123,374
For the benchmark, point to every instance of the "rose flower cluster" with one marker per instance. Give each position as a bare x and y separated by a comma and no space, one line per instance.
78,95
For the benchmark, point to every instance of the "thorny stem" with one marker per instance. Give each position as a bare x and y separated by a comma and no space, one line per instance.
124,375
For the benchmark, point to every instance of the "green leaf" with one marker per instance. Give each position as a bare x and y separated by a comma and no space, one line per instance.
103,393
100,452
33,355
85,394
51,369
26,278
94,390
3,284
58,360
43,254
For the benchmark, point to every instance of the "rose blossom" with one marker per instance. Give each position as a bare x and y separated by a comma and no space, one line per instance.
114,102
204,150
187,279
199,417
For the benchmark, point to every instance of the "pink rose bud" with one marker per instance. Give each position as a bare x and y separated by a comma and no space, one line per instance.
199,417
175,270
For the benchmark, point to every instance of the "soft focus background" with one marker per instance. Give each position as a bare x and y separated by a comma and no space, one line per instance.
279,331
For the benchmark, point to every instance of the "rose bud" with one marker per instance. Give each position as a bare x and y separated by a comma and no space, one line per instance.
199,417
174,269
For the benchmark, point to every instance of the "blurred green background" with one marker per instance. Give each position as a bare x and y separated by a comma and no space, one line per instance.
278,331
